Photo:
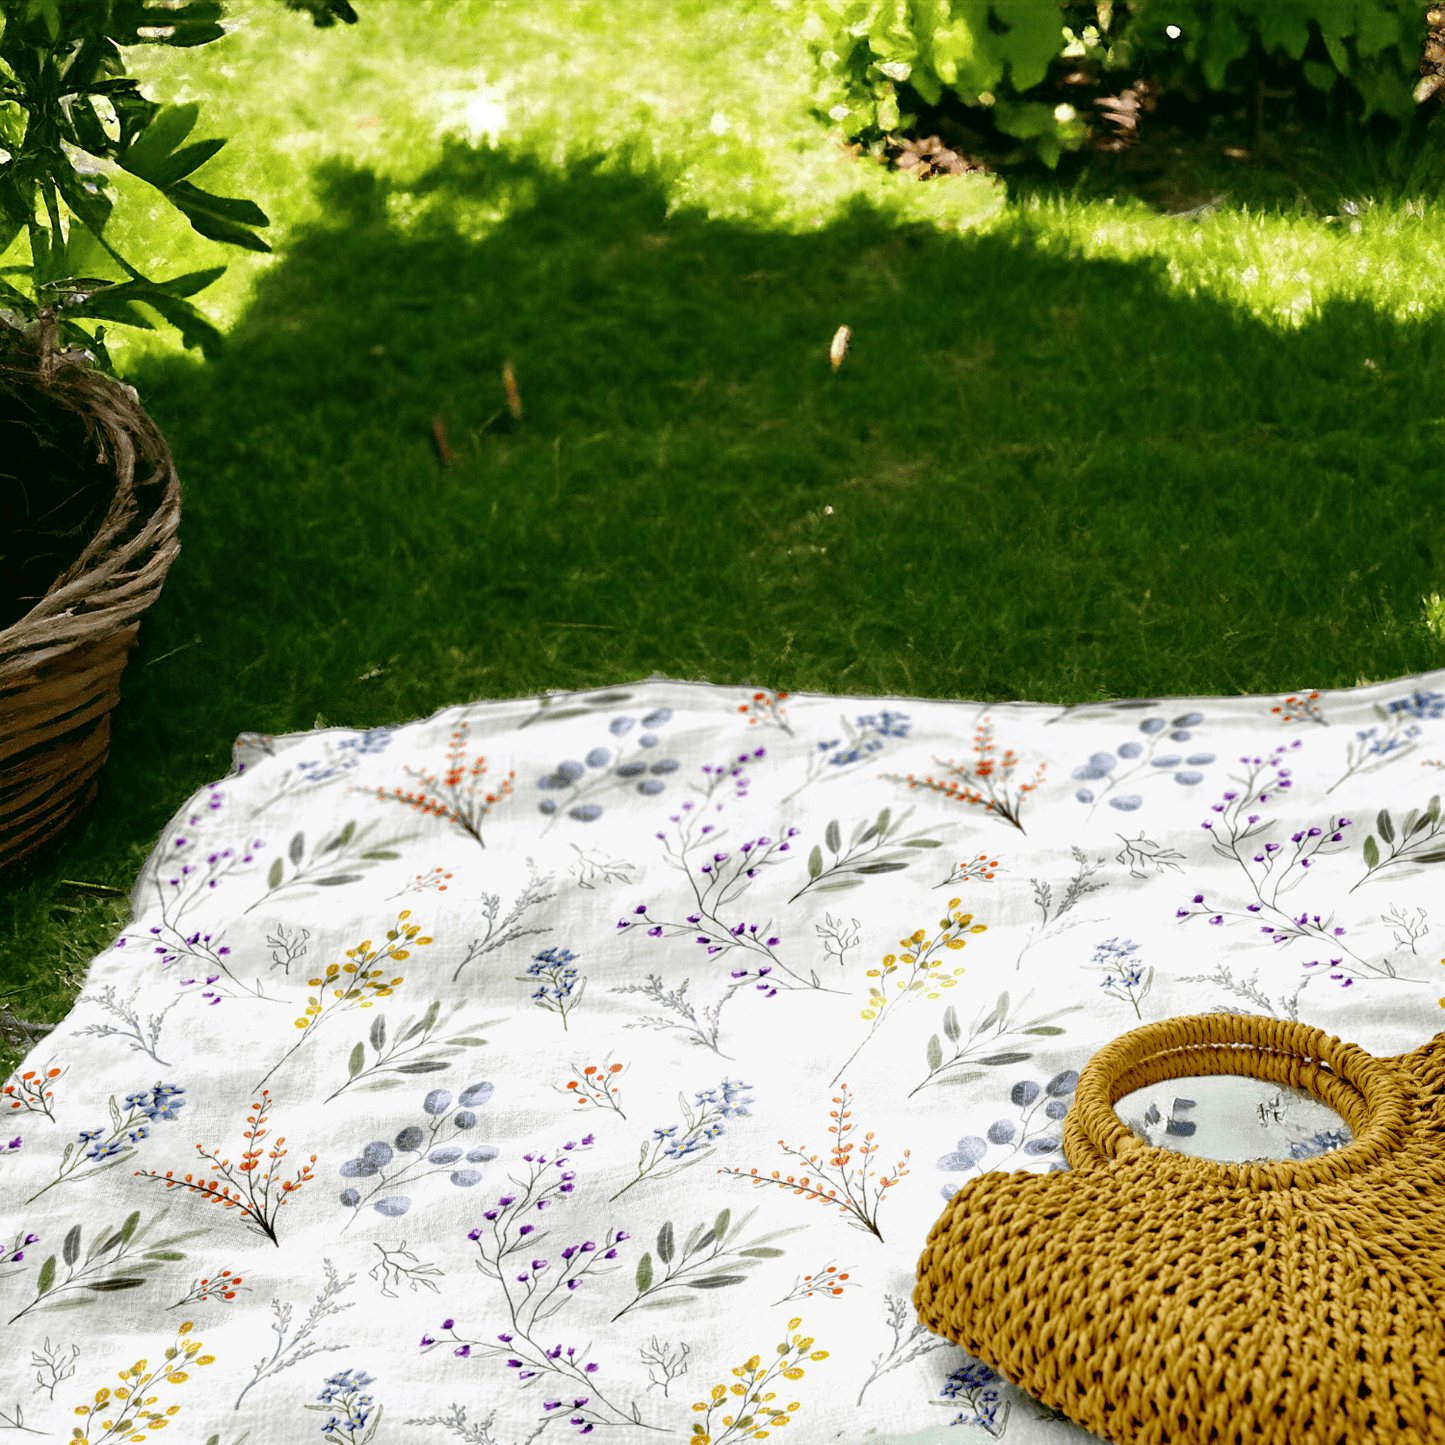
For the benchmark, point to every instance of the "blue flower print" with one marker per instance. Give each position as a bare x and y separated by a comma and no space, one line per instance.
887,724
374,740
356,1409
160,1102
977,1386
559,992
1419,704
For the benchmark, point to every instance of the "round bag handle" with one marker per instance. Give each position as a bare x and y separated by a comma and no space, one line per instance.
1366,1091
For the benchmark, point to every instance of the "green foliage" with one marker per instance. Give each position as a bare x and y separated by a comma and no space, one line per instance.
865,48
992,53
1374,44
72,268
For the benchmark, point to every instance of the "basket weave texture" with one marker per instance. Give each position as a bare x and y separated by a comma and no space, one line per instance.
61,664
1152,1297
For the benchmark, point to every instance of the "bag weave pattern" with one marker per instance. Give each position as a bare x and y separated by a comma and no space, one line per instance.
61,664
1153,1297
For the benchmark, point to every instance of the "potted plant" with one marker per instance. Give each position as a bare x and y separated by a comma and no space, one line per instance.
89,496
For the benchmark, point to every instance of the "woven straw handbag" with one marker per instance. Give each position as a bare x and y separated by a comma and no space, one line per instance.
1153,1297
60,664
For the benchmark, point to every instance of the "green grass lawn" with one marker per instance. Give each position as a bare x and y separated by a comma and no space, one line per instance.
1078,449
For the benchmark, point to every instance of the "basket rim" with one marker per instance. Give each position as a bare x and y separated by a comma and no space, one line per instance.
116,577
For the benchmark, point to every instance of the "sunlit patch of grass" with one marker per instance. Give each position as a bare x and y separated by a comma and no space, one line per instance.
1280,267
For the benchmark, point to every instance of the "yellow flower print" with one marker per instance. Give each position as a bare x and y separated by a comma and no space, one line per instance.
753,1415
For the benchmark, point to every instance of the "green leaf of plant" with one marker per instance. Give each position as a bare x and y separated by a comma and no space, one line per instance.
1048,1030
720,1225
716,1281
935,1055
427,1020
763,1253
883,820
1372,852
644,1274
347,834
833,836
838,885
815,861
128,1228
105,1248
47,1276
1386,827
145,155
950,1024
195,330
183,162
378,1032
166,1254
871,868
664,1243
872,832
1436,857
422,1066
967,1078
333,882
1434,809
278,870
995,1061
920,843
297,850
707,1239
219,218
381,855
109,1286
92,206
71,1247
357,1062
467,1043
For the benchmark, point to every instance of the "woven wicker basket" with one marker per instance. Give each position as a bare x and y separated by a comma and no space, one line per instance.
60,664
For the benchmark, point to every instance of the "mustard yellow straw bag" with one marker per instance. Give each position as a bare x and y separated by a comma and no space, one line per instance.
1153,1297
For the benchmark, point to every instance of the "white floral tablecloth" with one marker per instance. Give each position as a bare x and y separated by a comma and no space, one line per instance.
598,1063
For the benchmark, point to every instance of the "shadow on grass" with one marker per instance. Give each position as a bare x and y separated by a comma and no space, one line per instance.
1032,477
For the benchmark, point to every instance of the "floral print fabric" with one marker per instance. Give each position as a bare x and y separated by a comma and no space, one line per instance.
597,1064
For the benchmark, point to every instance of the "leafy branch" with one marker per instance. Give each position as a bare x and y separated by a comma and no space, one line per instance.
979,1038
327,858
109,1251
423,1032
1400,849
846,870
693,1267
